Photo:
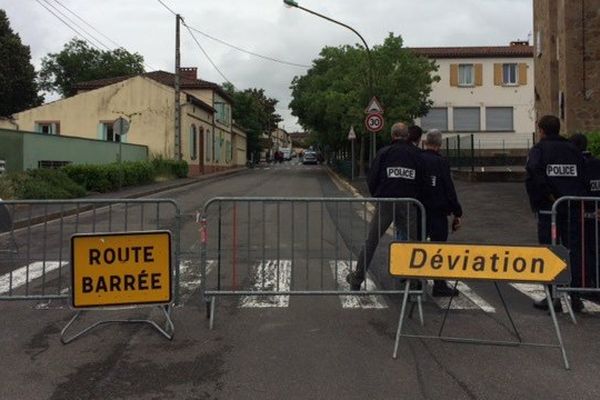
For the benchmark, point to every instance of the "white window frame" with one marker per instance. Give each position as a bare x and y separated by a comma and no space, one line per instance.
108,127
515,75
461,75
52,127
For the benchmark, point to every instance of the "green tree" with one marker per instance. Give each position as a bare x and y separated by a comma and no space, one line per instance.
254,111
18,88
334,92
79,62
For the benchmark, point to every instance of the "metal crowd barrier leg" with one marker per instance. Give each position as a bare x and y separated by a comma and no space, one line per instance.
168,331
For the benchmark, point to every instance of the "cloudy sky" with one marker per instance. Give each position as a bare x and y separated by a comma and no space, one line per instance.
266,27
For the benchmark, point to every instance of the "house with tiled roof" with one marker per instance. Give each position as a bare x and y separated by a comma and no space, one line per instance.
209,140
487,92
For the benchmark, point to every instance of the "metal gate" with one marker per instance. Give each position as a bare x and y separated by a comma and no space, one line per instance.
35,239
269,248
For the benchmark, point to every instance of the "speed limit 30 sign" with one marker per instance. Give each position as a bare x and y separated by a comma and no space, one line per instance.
374,122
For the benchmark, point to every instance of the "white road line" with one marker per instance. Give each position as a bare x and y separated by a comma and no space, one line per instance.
270,276
190,276
27,274
466,300
536,293
366,302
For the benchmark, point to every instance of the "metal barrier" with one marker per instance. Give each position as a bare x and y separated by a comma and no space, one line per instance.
35,239
267,249
575,222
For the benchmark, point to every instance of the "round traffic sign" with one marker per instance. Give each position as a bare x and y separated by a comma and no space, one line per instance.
374,122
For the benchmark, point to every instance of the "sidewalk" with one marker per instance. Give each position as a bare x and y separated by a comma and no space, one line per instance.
73,206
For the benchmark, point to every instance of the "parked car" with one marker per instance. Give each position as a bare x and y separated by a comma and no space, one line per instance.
310,157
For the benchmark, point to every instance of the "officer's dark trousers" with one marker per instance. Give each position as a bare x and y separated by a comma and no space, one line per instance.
437,226
569,235
385,214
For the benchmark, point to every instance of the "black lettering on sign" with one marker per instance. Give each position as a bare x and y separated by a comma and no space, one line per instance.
122,283
155,279
94,256
561,170
87,284
401,172
413,258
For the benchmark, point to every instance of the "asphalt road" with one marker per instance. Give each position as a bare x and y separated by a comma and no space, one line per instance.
297,347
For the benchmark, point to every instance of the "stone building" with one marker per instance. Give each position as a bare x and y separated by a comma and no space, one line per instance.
567,62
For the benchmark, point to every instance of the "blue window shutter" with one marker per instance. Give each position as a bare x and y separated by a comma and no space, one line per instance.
101,132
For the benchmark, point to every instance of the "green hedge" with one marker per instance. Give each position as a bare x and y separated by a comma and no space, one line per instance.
594,143
110,177
76,180
40,184
170,168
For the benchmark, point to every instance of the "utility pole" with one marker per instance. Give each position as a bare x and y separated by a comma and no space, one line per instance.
177,90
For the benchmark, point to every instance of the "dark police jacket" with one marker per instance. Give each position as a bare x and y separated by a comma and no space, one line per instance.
555,168
439,195
592,174
397,171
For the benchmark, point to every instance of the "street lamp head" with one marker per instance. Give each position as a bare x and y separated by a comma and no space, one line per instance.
290,3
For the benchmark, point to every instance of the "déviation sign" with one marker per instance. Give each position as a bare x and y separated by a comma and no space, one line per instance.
479,262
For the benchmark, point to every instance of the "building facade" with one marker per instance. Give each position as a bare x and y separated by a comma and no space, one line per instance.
484,91
147,101
567,62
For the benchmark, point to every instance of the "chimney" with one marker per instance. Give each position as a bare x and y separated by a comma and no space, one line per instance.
189,73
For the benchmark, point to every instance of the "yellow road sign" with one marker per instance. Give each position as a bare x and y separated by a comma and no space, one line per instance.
110,269
485,262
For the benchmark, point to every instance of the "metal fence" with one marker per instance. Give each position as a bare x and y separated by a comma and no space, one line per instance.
35,245
267,249
575,222
471,151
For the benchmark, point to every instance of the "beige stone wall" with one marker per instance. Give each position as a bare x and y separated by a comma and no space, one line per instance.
570,62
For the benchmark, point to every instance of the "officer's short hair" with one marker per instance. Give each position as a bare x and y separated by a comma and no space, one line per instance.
550,125
580,141
433,138
399,131
414,133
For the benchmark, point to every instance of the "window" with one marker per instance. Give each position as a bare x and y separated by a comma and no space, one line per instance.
193,142
48,127
465,75
499,119
106,132
209,147
467,119
510,74
52,164
436,118
223,114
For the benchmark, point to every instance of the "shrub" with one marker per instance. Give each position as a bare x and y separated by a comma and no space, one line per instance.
170,168
594,143
41,184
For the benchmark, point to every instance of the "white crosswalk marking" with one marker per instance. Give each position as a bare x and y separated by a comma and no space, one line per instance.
467,300
190,276
366,302
536,293
27,274
270,276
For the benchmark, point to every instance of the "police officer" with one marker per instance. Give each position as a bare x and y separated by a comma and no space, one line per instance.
397,171
440,200
590,263
555,168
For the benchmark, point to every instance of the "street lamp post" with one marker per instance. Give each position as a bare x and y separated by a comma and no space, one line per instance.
293,3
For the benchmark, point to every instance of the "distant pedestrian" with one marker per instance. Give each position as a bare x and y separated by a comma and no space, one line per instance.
440,200
397,172
590,262
415,132
555,168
